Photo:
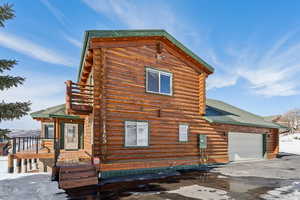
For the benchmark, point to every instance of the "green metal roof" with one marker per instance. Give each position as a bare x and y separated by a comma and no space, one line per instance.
216,112
223,113
135,33
53,112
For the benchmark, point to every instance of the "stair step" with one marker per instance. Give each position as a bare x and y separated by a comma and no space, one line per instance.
76,168
84,174
68,184
77,176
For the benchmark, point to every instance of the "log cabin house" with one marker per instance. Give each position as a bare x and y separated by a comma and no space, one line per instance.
139,105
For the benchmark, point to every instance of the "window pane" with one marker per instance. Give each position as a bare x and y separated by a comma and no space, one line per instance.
152,81
50,131
183,132
142,134
130,134
165,84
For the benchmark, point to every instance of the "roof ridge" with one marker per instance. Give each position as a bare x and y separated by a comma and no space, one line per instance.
88,34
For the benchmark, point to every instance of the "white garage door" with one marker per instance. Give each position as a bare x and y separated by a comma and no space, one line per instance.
245,146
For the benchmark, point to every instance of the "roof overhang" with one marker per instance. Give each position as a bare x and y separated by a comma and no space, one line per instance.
35,116
273,125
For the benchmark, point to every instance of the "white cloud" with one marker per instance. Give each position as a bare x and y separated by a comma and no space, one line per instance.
33,50
43,91
73,41
135,15
220,81
269,73
56,12
272,71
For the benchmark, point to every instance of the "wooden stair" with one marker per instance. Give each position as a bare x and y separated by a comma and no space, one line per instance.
75,176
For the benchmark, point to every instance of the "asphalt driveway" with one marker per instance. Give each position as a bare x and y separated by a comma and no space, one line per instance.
270,179
286,167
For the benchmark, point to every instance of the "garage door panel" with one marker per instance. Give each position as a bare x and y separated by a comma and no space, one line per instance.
245,146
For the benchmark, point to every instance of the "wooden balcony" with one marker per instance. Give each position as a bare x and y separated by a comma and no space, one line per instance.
79,98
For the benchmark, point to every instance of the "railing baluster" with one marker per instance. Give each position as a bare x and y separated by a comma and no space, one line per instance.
37,145
14,146
19,144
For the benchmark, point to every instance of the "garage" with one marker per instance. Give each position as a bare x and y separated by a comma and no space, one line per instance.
245,146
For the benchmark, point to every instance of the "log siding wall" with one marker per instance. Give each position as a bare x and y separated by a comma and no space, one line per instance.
120,95
127,99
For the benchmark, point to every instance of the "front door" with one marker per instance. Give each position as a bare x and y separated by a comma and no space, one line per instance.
71,136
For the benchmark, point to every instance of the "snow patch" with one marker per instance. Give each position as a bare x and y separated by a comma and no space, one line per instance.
201,192
291,192
5,175
290,143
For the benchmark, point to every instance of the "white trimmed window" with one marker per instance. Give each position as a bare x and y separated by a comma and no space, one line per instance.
158,82
136,134
183,132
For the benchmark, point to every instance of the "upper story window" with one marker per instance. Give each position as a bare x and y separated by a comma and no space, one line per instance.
159,82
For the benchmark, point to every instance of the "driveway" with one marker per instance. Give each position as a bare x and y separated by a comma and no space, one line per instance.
274,179
286,167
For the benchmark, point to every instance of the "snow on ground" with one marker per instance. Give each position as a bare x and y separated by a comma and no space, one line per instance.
291,192
290,143
201,192
5,175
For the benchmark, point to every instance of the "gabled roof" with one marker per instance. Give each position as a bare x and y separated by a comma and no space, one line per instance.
53,112
136,33
223,113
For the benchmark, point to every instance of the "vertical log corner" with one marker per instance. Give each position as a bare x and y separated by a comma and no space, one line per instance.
202,93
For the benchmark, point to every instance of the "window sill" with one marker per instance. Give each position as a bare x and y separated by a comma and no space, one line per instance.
136,147
150,92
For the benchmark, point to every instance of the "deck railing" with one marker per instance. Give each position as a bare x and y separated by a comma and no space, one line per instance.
31,144
79,98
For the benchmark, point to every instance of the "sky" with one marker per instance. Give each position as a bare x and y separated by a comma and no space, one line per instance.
253,45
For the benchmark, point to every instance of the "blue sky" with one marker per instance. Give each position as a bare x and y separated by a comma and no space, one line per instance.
253,45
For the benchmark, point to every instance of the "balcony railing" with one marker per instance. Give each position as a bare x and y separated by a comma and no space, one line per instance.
31,145
79,98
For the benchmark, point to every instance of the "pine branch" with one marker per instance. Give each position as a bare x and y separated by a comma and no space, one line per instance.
7,64
10,81
6,12
10,111
4,132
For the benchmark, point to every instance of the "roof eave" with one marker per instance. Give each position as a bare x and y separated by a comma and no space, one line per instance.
163,34
240,123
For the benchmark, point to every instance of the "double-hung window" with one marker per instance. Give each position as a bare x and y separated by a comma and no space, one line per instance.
49,131
183,132
136,134
159,82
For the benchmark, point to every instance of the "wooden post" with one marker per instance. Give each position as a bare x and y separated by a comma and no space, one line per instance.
37,145
36,163
68,96
55,146
25,166
202,93
10,163
30,164
19,165
19,144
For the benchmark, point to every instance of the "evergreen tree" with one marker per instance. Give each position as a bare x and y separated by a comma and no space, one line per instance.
10,111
